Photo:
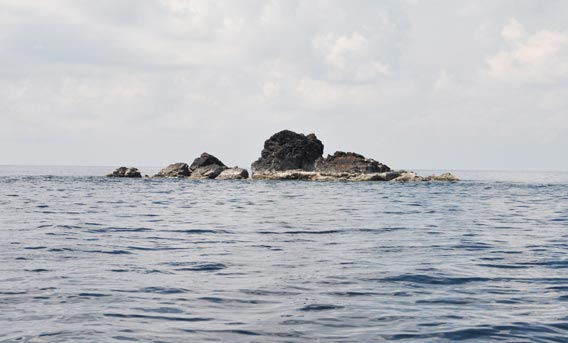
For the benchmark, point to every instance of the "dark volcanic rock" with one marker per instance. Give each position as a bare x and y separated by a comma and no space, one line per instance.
349,162
205,160
125,172
287,150
175,170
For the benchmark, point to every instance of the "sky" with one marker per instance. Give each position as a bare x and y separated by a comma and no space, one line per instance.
413,84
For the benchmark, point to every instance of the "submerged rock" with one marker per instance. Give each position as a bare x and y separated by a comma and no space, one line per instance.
287,150
178,170
233,174
125,172
349,162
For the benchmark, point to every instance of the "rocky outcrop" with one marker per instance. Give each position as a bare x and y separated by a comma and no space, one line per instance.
235,173
125,172
287,150
349,162
291,156
178,170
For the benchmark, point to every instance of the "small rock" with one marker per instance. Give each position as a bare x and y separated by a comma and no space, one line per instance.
391,175
125,172
443,177
349,162
408,177
207,172
233,174
179,170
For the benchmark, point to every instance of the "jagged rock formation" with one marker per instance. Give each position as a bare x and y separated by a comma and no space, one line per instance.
125,172
287,150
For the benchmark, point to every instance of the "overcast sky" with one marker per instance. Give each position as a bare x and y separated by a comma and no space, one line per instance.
413,84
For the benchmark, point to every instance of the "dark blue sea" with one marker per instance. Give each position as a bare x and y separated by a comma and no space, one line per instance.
84,258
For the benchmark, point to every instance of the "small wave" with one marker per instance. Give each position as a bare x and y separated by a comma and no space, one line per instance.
95,295
60,250
445,301
37,270
204,267
268,293
432,280
110,252
503,266
320,307
198,231
153,248
119,229
12,293
218,300
236,331
125,338
353,294
164,290
143,316
170,310
158,290
302,232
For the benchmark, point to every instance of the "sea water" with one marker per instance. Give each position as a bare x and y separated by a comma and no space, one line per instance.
84,258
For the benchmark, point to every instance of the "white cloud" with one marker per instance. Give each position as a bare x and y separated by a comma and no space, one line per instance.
349,57
443,82
541,57
513,31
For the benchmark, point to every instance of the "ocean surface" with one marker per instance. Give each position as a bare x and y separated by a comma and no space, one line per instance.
84,258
